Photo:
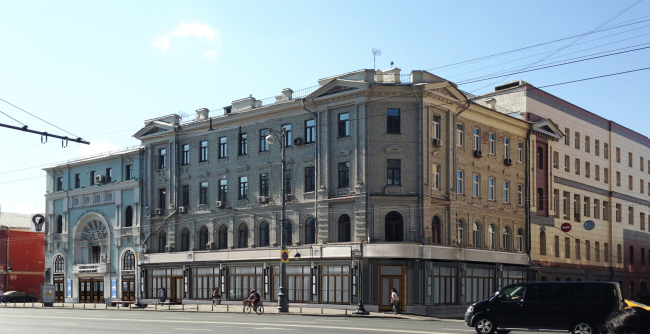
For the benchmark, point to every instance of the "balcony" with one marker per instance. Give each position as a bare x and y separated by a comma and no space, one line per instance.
89,268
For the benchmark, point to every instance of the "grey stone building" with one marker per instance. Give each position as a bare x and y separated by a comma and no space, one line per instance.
396,177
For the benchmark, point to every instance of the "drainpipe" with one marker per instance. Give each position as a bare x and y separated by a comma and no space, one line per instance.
7,268
455,149
316,169
420,167
366,110
527,197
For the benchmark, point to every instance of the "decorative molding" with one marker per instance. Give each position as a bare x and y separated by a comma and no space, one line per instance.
242,168
393,149
342,153
203,174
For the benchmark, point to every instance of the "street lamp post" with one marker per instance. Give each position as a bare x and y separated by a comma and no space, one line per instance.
360,309
283,302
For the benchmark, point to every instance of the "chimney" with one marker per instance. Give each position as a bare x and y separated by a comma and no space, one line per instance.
202,114
288,93
492,102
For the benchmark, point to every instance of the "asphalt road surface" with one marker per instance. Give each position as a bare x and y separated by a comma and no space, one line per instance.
46,321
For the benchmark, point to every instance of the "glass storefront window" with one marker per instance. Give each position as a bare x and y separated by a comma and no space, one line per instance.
441,285
241,280
335,285
204,280
480,284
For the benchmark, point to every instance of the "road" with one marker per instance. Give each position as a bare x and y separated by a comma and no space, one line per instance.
47,320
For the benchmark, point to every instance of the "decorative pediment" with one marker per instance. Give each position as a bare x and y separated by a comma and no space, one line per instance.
337,86
154,128
547,129
394,149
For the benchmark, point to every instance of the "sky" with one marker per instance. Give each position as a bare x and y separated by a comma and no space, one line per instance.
99,69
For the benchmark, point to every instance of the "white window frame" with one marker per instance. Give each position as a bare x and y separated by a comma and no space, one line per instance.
476,185
491,194
493,150
477,139
460,132
506,191
460,184
506,148
436,126
520,195
436,177
520,147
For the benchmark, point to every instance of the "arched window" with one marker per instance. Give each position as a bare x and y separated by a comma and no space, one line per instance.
203,238
128,261
128,216
59,264
436,230
59,224
310,231
243,235
520,239
288,233
460,235
476,234
223,237
185,240
344,228
492,239
394,226
162,241
506,239
264,234
542,243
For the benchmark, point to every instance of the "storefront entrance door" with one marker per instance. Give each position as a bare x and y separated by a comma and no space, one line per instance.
176,296
59,289
128,287
91,290
391,276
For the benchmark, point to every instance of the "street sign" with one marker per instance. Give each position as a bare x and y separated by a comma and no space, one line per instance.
284,256
589,225
566,227
37,223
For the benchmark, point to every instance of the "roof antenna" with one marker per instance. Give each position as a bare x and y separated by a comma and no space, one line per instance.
375,53
391,64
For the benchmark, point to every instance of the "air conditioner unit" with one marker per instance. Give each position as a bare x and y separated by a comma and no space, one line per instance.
219,204
182,209
102,258
209,246
436,142
298,141
507,161
263,199
169,248
478,153
158,211
288,197
99,178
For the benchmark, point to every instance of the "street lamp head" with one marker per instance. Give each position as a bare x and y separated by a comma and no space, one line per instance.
270,139
297,256
9,269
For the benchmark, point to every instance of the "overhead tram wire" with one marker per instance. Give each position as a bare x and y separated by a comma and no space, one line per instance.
25,111
17,121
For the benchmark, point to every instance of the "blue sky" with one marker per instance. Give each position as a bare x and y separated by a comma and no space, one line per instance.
98,69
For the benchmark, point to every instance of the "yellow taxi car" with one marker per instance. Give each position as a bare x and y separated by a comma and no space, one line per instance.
631,304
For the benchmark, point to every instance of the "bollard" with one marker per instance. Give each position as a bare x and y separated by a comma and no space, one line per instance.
212,307
197,306
321,308
156,307
183,307
346,311
130,305
84,305
169,306
118,306
226,307
300,307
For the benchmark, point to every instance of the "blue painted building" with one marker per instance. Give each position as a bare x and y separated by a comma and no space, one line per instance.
93,228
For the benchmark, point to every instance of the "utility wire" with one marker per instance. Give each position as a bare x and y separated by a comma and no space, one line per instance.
12,117
15,106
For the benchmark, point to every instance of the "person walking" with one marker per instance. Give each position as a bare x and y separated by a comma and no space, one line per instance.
216,297
161,295
394,301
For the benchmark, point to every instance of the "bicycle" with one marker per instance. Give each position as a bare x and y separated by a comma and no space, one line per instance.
259,308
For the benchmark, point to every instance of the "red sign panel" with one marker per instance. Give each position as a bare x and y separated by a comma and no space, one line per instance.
566,227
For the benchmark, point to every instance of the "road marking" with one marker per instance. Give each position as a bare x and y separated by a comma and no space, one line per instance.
274,328
193,329
298,322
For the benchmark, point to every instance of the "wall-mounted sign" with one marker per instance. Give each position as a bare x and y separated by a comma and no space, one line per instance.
589,225
284,256
69,289
566,227
38,220
113,288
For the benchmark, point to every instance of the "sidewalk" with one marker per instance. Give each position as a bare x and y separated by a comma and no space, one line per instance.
295,309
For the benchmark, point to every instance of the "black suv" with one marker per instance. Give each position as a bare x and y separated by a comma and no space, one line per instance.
580,307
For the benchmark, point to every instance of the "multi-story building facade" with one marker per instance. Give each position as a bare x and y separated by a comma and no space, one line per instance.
596,227
397,177
93,237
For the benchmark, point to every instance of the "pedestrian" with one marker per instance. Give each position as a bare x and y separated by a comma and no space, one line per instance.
634,320
161,295
2,295
394,301
216,297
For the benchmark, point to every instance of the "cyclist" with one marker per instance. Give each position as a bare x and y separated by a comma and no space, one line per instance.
254,298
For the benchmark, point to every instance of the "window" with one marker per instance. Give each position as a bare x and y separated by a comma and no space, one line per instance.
642,221
476,185
491,189
344,228
567,164
565,204
577,140
476,235
287,234
242,236
576,207
606,211
310,179
59,224
506,239
243,144
542,243
264,234
630,215
436,126
493,145
344,125
557,246
203,151
460,233
223,190
540,198
264,146
92,177
393,171
556,202
460,132
436,230
540,155
492,239
203,238
288,141
344,174
59,183
619,253
618,213
95,253
128,172
460,187
587,144
631,254
185,240
629,159
310,231
618,179
506,148
596,208
641,186
567,137
394,226
597,251
186,196
162,200
310,131
393,121
587,169
162,158
642,256
264,184
506,192
162,241
567,247
606,151
577,166
588,250
203,193
476,143
59,264
77,181
606,175
618,154
586,206
186,154
287,182
630,182
597,147
128,260
128,216
223,147
520,239
606,256
243,187
556,160
436,176
597,173
223,237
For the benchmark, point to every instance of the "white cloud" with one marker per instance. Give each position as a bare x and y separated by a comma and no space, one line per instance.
161,42
29,208
96,148
210,54
195,29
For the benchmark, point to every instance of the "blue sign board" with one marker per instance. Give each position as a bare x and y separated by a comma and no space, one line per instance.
113,288
69,288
